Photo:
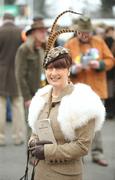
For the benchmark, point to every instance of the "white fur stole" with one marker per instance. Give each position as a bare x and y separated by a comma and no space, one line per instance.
75,109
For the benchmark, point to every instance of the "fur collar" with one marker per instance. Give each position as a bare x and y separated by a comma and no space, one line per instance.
75,110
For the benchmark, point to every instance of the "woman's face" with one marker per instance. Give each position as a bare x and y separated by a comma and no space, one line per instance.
57,77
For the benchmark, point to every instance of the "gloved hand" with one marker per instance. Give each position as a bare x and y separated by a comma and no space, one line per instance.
38,149
38,152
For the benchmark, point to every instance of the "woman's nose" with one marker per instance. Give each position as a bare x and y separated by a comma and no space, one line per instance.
54,70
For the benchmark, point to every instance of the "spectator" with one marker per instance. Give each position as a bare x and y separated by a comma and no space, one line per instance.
29,60
29,72
10,40
91,59
110,101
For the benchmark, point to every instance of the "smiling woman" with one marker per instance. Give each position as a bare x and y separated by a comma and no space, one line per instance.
72,116
70,112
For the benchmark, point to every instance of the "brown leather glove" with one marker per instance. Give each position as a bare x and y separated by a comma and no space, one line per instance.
38,150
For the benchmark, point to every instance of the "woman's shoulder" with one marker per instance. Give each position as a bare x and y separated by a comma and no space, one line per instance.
83,89
81,86
83,93
40,94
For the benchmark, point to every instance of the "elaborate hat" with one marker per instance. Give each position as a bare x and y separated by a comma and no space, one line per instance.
52,53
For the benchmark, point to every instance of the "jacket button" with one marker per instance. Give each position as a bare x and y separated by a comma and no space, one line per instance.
61,161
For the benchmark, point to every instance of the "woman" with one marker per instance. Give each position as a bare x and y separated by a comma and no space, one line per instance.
75,113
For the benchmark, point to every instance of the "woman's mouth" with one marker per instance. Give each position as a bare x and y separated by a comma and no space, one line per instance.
55,78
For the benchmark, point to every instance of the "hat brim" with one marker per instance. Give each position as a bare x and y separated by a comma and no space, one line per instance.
76,28
30,30
84,30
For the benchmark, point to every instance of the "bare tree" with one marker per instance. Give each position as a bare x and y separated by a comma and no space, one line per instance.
106,8
39,8
9,1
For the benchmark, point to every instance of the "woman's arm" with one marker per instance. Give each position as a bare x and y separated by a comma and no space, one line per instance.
74,149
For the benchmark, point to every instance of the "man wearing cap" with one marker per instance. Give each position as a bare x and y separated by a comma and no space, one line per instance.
10,40
37,19
29,61
91,59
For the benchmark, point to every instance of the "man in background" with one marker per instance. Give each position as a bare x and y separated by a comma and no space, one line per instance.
10,40
91,59
29,60
110,101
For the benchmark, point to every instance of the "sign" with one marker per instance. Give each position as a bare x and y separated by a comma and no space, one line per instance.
13,9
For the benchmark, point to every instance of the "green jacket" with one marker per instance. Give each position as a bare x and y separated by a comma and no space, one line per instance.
28,68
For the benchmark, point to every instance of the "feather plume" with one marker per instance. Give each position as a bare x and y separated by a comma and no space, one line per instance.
54,34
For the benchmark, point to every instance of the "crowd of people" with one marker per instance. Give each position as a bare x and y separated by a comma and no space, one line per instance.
79,92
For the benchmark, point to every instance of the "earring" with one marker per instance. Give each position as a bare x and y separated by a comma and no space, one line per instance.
68,73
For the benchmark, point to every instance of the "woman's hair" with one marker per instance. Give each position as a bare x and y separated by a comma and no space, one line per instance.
62,61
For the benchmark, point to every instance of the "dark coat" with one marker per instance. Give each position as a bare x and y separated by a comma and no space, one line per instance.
28,68
111,73
10,40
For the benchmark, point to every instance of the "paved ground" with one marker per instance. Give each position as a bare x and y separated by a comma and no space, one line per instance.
13,158
96,172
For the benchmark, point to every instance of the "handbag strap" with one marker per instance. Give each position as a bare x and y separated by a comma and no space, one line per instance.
25,177
33,170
